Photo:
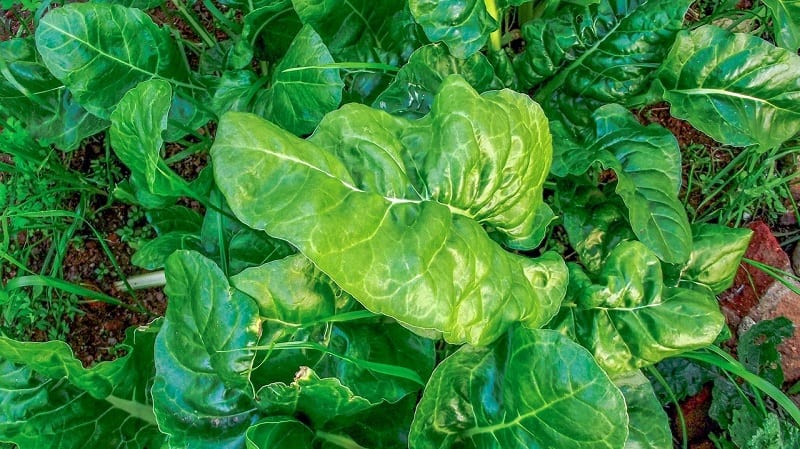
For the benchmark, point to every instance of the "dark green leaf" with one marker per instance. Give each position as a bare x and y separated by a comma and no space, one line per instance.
201,392
463,25
29,92
100,51
280,433
275,24
49,401
303,89
175,219
411,93
648,426
684,377
628,319
737,88
153,254
533,388
785,22
758,348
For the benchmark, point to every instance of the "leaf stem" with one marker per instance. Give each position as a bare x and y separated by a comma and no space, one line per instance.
204,36
339,440
133,408
496,37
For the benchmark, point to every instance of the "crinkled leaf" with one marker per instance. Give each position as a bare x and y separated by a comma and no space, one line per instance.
280,433
684,378
451,276
320,400
758,348
737,88
785,22
136,131
31,93
588,56
297,99
716,253
201,392
411,93
49,401
647,162
628,319
773,433
648,426
101,51
463,25
532,388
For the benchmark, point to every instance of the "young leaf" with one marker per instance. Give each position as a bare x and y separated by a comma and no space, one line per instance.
49,401
423,262
532,388
737,88
101,51
302,89
31,93
648,426
201,392
628,319
411,93
464,25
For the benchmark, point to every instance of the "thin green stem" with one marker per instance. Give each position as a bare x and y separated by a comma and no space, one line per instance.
135,409
204,36
684,432
226,24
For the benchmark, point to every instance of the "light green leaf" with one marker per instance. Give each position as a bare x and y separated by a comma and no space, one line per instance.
532,388
321,400
279,433
737,88
152,254
648,427
49,401
137,125
411,93
592,55
31,93
101,51
423,261
302,89
716,254
201,393
628,319
463,25
785,22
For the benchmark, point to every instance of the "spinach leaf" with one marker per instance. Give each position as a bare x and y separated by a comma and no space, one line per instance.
648,422
531,388
785,22
737,88
424,261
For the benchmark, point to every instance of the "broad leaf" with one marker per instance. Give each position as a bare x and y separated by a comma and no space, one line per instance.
423,261
411,93
100,51
532,388
647,162
648,426
29,92
137,125
320,400
592,55
758,348
174,219
302,89
49,401
737,88
628,319
785,22
464,26
275,24
201,392
152,255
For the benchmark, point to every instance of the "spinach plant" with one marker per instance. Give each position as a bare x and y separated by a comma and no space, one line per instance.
388,257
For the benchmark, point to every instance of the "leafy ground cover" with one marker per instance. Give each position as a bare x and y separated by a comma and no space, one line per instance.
457,214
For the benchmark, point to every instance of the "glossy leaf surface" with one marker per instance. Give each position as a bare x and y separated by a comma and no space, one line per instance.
424,261
464,26
280,433
100,51
716,254
628,319
532,388
737,88
786,22
201,392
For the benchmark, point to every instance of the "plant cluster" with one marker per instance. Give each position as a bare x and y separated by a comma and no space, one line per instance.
380,191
